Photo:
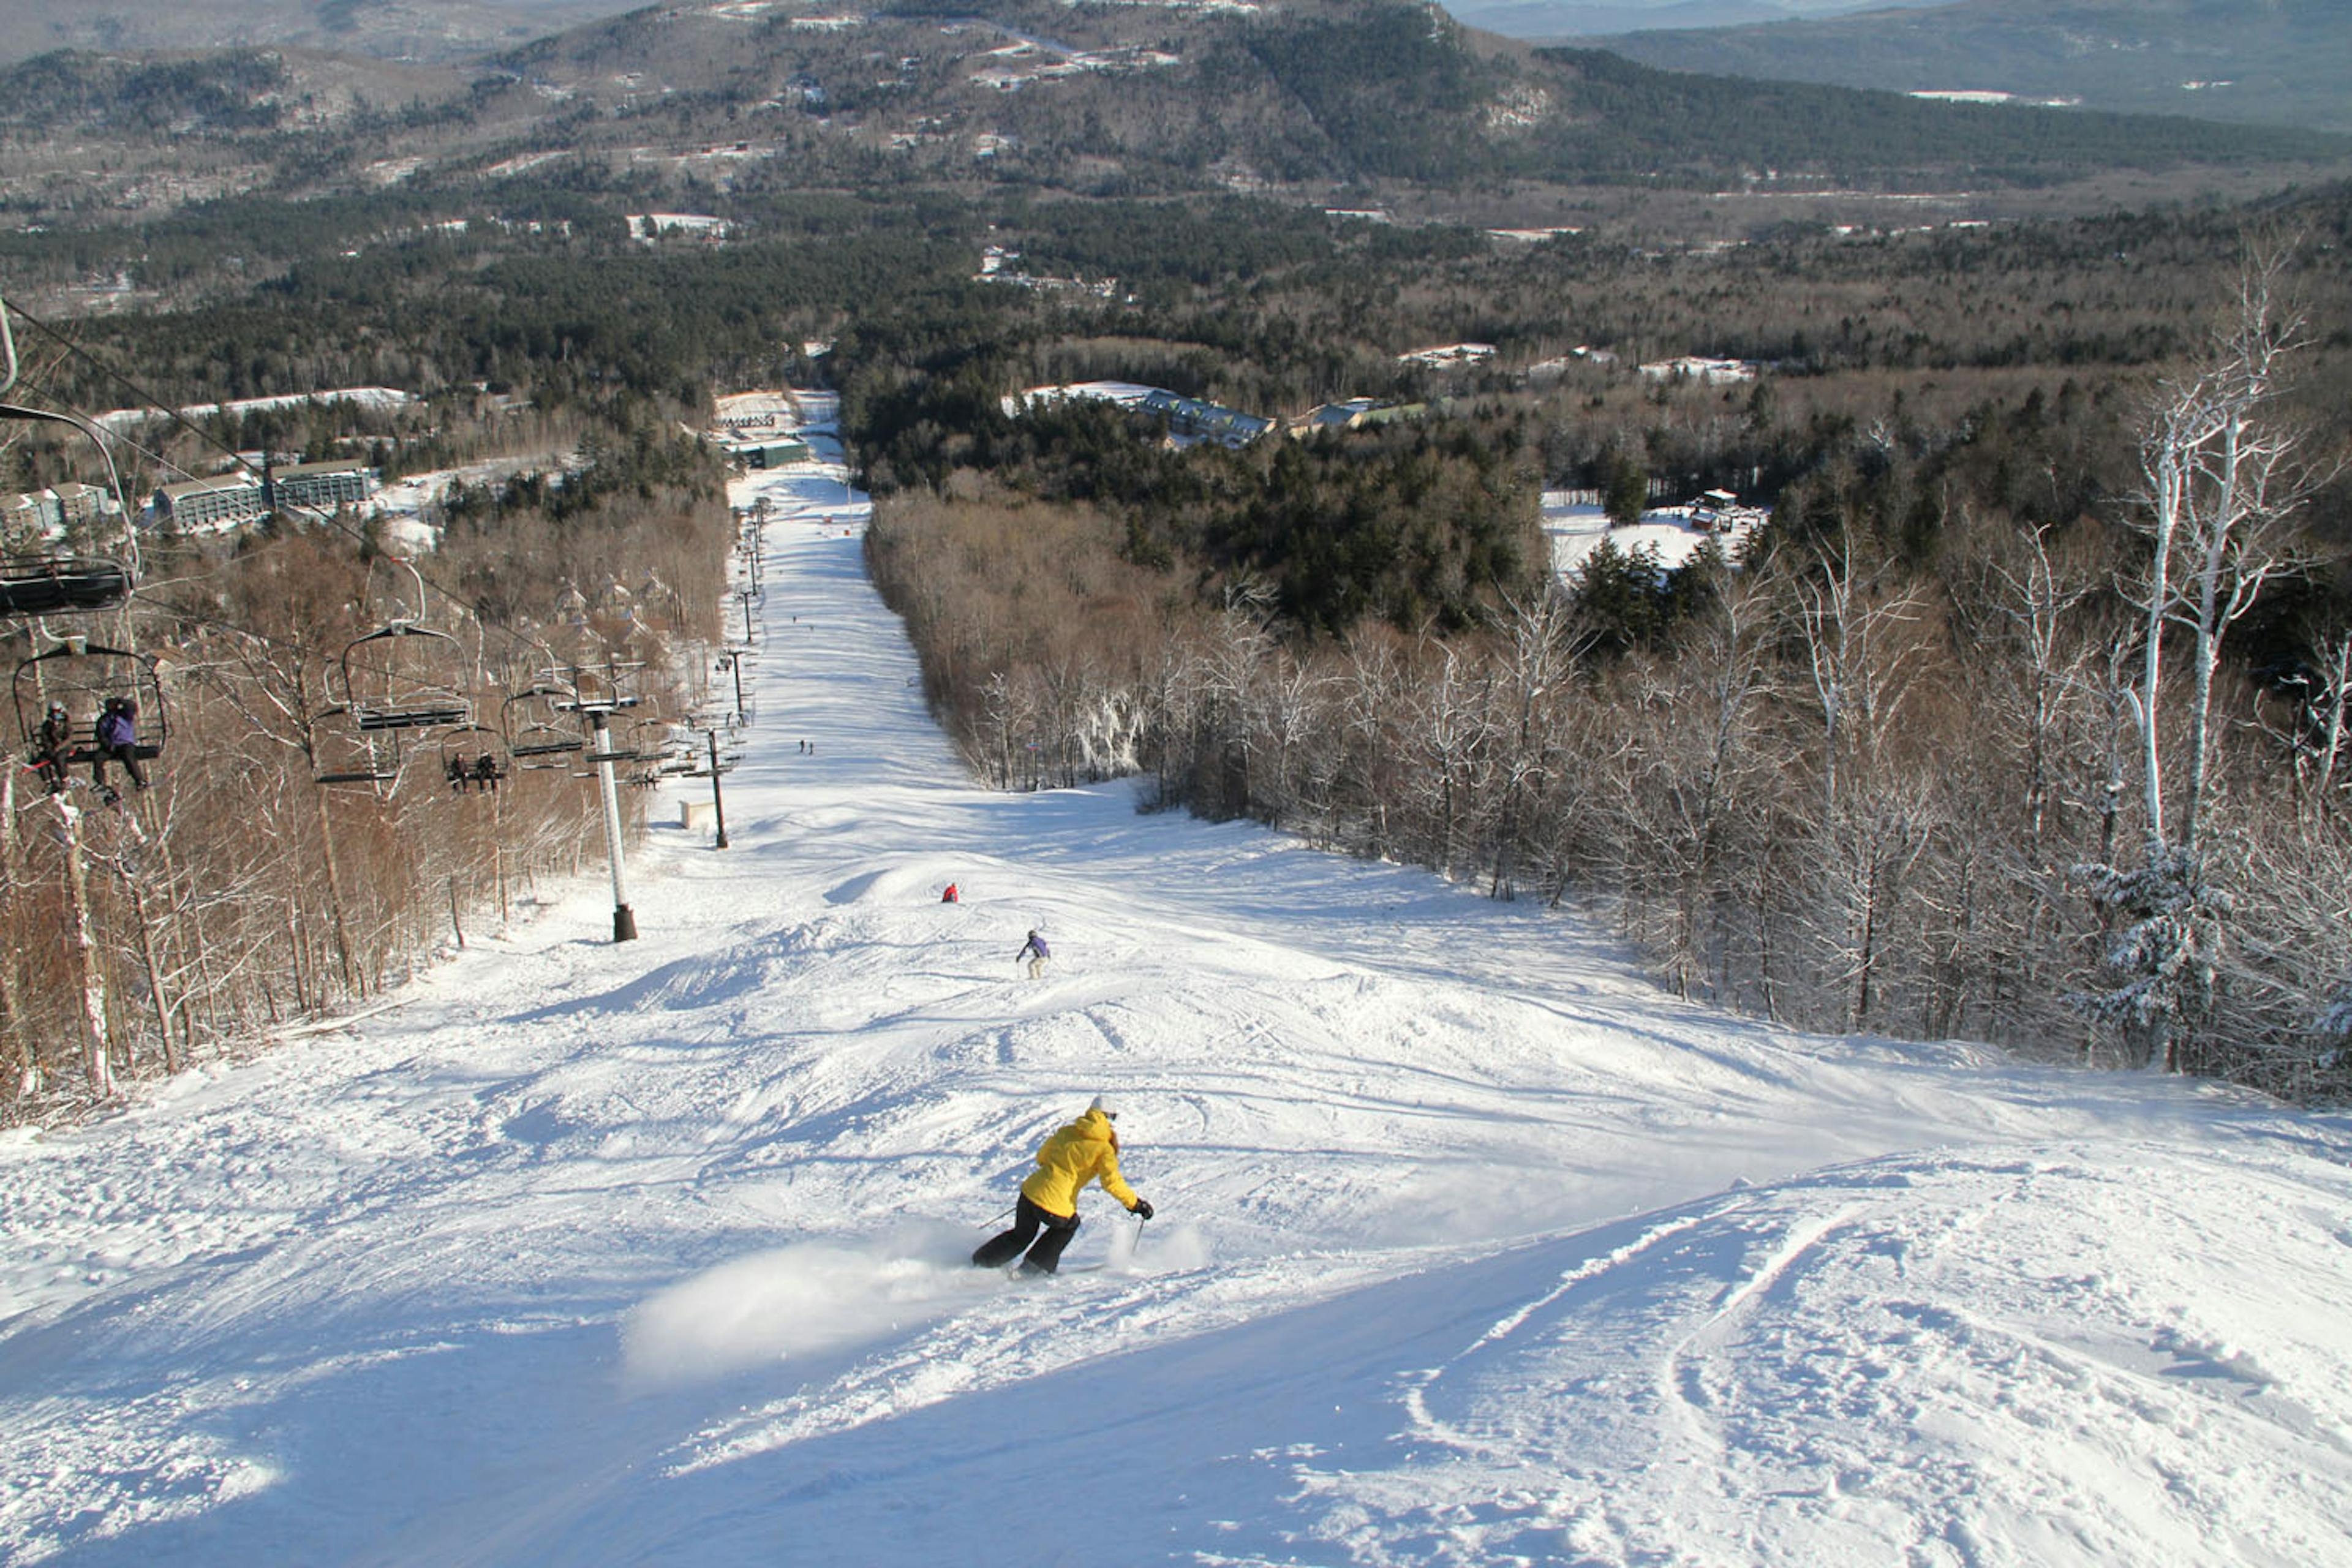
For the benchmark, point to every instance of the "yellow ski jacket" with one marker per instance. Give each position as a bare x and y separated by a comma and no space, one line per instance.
1085,1151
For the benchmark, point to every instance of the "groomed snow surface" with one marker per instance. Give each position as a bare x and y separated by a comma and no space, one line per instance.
1472,1246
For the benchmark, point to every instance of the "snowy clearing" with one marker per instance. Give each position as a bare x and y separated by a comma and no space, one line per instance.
1576,529
1472,1246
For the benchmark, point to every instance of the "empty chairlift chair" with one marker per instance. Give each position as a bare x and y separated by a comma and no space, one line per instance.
341,755
403,680
41,581
406,675
59,585
540,732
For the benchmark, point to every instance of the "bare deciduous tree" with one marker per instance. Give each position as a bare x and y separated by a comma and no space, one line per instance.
2222,479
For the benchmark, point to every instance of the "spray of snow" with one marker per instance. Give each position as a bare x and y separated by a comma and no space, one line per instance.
804,1300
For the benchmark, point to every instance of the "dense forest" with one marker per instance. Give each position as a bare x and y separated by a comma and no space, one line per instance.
1913,762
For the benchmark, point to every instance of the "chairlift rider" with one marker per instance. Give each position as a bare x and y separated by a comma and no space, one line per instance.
116,737
50,745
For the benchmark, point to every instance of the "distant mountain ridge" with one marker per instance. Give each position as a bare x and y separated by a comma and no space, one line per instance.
424,31
1319,98
1592,18
2268,62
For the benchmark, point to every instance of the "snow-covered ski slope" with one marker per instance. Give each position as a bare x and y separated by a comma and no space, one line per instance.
1473,1248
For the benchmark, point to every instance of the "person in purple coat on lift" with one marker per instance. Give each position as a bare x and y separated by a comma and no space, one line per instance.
117,734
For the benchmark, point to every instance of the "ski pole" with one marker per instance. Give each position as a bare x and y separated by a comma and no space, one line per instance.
999,1215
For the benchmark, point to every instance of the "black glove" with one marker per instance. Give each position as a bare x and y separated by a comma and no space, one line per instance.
1143,1209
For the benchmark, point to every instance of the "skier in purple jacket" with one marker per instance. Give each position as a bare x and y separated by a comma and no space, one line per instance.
117,736
1036,952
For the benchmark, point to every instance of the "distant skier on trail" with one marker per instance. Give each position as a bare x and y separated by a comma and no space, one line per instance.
951,896
1046,1216
1036,952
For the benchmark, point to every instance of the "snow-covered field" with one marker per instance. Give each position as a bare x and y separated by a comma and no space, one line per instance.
1576,529
1126,393
382,399
1472,1247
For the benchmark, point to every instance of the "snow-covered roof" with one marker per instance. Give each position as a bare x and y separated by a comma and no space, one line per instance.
1447,355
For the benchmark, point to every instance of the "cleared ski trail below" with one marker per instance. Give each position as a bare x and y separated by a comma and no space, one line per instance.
1473,1246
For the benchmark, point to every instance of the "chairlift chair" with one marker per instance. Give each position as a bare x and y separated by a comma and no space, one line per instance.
670,750
342,754
726,761
536,738
545,754
414,686
45,584
678,749
614,750
83,676
608,741
601,687
58,585
465,750
406,675
656,737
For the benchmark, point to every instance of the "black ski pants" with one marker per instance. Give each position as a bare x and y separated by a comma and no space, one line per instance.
126,755
1045,1234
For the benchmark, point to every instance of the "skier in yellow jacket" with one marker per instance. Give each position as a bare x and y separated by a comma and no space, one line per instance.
1084,1150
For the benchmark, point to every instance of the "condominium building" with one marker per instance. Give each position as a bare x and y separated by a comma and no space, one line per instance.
48,513
221,502
328,485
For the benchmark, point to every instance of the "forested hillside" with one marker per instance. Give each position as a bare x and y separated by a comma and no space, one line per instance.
284,857
1877,772
412,30
724,108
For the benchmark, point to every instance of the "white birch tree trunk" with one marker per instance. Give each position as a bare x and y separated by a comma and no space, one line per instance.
90,978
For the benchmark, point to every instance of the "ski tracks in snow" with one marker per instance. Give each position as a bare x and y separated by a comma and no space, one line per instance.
1471,1249
1908,1371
